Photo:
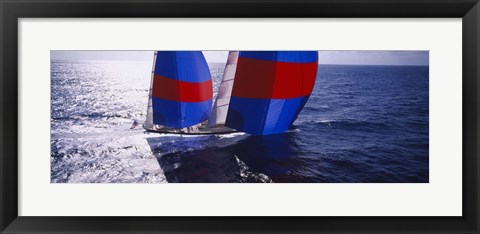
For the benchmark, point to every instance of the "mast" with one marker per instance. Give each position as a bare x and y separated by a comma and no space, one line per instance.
149,120
218,115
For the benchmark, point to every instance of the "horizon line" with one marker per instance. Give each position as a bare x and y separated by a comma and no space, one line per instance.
145,61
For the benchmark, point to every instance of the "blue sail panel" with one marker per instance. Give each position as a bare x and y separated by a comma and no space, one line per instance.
282,56
179,114
189,66
258,116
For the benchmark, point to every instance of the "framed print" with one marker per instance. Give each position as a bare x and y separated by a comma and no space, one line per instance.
208,116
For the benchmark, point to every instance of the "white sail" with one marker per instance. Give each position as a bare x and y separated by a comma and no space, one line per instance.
220,108
149,120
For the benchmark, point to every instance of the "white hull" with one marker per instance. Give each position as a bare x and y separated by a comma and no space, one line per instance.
194,130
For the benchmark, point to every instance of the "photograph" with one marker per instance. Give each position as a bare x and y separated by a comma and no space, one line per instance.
239,116
278,116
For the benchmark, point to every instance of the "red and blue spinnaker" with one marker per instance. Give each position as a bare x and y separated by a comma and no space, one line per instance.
181,89
270,89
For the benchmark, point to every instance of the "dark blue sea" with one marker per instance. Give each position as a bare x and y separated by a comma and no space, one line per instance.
362,124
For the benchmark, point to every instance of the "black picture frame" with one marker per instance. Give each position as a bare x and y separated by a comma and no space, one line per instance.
12,10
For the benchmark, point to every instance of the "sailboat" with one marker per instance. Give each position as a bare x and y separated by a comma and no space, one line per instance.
261,92
180,95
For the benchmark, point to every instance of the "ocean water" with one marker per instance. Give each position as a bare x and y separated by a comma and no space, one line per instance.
362,124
